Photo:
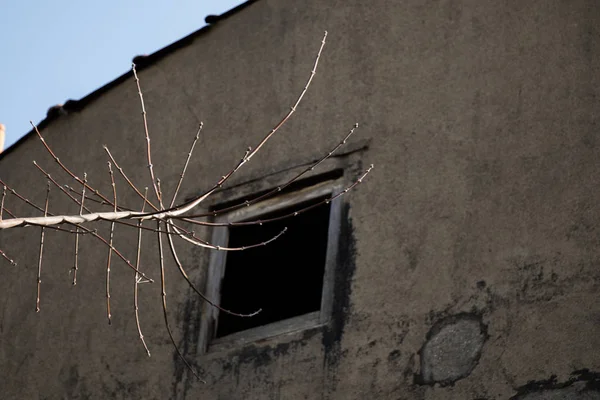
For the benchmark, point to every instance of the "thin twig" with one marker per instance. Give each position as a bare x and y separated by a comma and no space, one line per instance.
63,230
187,161
64,168
2,203
194,288
12,215
162,207
114,249
127,179
281,217
14,193
89,198
110,241
76,265
62,189
164,304
146,133
39,275
203,243
10,260
137,279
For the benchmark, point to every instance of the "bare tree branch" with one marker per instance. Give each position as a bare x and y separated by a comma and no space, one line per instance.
137,279
171,222
110,242
39,275
76,265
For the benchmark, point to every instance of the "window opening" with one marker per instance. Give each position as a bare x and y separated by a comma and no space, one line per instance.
283,278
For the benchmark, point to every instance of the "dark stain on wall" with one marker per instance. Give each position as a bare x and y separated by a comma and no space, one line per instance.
538,280
192,308
260,355
582,384
344,273
69,376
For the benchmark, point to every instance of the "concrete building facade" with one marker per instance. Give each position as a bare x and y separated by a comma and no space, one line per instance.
466,265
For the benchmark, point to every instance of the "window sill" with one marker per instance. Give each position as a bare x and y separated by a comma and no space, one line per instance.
287,326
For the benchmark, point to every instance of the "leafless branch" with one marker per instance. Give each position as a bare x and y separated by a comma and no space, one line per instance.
10,260
137,278
171,222
76,265
187,161
39,275
127,179
146,133
164,304
64,168
110,242
2,202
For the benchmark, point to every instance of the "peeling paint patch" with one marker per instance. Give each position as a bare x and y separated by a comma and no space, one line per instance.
452,349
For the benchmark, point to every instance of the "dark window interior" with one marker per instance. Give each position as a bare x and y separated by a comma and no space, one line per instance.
283,278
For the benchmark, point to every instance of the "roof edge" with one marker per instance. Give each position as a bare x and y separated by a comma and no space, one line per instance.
141,62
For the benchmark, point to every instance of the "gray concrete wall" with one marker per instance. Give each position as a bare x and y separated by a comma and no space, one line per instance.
470,256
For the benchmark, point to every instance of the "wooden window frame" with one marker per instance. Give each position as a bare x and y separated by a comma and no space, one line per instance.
216,270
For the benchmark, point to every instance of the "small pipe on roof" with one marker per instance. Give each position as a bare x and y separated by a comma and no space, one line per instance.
2,137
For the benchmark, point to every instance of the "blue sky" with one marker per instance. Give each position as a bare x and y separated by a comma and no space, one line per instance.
53,51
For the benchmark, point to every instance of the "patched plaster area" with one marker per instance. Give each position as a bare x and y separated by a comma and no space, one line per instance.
452,349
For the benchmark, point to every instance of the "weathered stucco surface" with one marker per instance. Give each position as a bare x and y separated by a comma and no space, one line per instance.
481,218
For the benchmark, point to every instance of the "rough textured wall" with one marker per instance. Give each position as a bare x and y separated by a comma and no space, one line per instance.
469,260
